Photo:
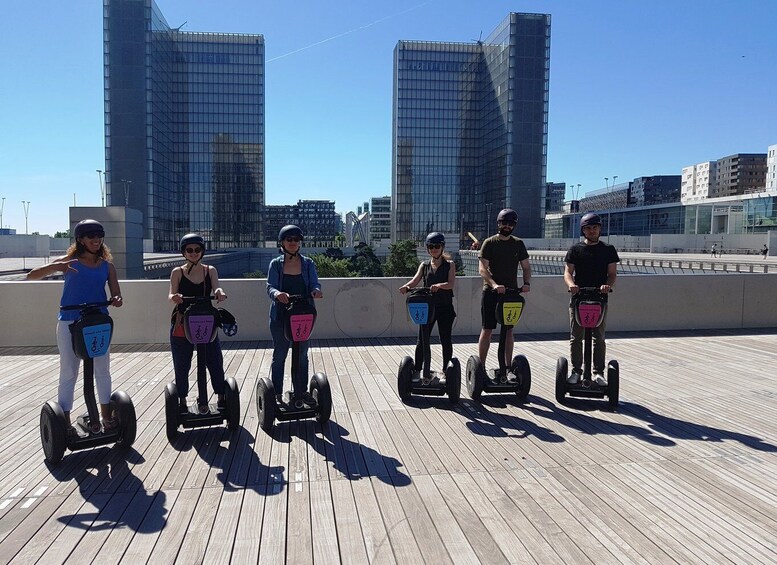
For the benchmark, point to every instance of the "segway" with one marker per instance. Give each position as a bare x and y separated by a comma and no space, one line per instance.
517,377
589,306
300,316
91,336
201,324
420,307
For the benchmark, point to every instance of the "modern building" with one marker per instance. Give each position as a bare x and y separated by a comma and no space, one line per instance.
317,219
656,189
771,170
697,181
743,173
616,196
184,127
554,196
470,131
380,221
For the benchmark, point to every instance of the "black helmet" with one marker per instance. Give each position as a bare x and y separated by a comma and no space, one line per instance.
192,238
590,219
435,237
508,215
88,226
290,231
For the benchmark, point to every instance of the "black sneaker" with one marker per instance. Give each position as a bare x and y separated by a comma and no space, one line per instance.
308,399
183,407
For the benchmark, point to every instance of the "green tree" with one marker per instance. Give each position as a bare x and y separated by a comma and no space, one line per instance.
254,275
63,234
364,263
402,259
330,268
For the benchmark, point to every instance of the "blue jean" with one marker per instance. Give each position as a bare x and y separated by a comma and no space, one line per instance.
183,351
280,352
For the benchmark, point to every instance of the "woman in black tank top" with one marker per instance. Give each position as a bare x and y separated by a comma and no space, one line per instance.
439,275
194,278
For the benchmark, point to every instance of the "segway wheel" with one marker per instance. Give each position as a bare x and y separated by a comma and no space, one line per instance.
124,411
53,432
453,380
232,398
319,389
613,383
521,369
171,411
476,377
265,404
562,372
405,378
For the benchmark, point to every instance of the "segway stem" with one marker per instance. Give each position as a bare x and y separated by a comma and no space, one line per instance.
91,402
202,381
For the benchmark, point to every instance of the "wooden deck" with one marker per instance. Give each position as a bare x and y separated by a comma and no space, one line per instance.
684,472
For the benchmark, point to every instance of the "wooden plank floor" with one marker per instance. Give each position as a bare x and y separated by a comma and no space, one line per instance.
684,472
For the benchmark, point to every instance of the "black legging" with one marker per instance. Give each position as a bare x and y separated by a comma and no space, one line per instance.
444,316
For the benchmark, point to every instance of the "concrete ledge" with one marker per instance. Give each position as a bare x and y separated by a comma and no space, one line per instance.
374,307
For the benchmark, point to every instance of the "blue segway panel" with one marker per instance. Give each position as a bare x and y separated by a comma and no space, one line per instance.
420,308
91,334
200,323
300,319
509,309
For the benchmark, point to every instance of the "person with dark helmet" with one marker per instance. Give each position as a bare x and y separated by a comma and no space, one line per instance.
289,274
87,267
500,256
194,278
589,263
439,275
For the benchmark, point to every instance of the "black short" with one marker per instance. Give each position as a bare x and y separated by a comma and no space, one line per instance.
488,309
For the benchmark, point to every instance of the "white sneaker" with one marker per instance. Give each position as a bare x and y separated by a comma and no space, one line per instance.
574,378
599,379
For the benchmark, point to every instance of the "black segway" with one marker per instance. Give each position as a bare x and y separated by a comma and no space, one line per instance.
91,337
589,306
201,324
420,306
517,377
300,316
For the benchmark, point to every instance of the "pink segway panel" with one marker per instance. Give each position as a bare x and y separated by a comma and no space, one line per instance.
589,314
301,326
201,328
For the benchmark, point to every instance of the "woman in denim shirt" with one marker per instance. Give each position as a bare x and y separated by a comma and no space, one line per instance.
291,273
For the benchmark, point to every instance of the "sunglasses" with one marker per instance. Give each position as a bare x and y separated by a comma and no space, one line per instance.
193,249
94,235
434,246
293,239
508,223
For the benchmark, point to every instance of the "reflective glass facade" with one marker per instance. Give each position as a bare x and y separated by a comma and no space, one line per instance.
470,131
184,127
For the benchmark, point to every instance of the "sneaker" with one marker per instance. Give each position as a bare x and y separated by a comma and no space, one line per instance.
308,399
279,399
72,433
183,407
575,377
598,378
222,403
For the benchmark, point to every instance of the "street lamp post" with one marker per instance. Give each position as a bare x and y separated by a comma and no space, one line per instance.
26,206
102,189
2,205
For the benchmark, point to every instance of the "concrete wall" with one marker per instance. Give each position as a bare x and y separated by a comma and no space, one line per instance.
24,245
687,243
374,307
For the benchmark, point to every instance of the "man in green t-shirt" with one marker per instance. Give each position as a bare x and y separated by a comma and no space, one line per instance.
500,255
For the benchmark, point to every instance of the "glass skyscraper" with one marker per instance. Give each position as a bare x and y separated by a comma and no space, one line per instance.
184,127
470,131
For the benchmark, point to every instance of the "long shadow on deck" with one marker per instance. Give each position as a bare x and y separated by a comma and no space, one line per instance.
119,497
682,429
496,424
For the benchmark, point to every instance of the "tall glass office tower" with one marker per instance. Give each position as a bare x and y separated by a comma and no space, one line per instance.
184,127
470,131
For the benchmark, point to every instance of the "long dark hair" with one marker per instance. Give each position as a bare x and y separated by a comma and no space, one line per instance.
77,249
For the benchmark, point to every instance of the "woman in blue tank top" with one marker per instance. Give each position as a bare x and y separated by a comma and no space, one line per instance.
87,268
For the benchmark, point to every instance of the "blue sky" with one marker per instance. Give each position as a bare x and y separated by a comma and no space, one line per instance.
636,88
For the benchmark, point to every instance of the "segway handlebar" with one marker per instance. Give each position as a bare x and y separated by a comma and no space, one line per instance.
509,290
87,305
199,298
589,289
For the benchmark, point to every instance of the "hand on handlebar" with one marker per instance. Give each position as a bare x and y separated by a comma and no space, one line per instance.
220,295
498,288
403,289
117,301
282,297
317,294
177,298
574,289
605,288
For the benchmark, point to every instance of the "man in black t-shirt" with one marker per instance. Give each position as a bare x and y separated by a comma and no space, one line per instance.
589,263
500,255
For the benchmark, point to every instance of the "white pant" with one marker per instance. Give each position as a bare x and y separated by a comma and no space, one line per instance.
68,369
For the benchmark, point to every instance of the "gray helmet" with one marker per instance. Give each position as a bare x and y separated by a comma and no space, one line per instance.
508,215
435,237
290,231
192,238
88,226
